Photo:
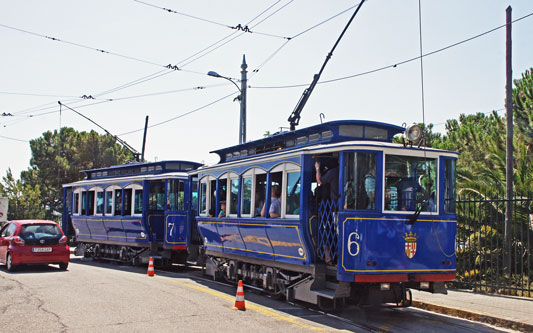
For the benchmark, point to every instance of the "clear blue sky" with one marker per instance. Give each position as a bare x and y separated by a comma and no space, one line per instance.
142,39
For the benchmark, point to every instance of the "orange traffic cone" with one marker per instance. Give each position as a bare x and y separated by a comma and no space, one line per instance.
239,302
151,271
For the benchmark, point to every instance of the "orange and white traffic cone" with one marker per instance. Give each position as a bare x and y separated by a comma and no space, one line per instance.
239,302
151,271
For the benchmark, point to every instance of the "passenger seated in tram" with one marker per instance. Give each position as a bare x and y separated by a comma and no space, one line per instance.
370,185
275,203
222,212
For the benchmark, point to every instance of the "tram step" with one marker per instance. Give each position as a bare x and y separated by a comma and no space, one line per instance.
328,293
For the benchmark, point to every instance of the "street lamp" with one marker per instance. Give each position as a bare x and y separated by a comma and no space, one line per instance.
242,97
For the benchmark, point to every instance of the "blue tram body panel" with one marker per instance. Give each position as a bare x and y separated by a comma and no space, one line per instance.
131,205
386,245
269,239
175,228
374,240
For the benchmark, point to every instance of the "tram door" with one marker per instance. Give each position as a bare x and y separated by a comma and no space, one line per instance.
176,215
156,210
326,193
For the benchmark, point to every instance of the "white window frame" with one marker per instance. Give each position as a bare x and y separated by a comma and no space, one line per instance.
249,176
285,168
437,184
229,176
96,189
252,172
77,191
134,188
207,180
112,189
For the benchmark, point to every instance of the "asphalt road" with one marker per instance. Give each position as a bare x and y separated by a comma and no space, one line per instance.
93,297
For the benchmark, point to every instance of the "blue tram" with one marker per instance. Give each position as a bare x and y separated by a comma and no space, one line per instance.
331,213
132,211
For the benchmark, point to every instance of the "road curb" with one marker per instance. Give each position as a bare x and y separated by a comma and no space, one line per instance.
475,316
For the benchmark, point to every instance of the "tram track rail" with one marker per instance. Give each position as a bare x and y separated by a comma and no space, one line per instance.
424,316
382,318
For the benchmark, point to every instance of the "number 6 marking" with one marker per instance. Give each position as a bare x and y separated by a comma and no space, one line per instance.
350,243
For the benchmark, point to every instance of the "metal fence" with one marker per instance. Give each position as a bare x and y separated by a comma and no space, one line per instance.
480,245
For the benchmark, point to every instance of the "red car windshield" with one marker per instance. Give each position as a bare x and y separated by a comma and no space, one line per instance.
38,231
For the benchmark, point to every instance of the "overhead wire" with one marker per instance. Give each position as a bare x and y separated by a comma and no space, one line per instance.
34,95
238,27
96,101
397,63
323,22
14,139
214,48
183,114
270,57
82,46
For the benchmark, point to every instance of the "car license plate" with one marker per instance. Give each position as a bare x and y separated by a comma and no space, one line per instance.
42,249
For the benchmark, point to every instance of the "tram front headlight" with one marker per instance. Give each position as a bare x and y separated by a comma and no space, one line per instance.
413,133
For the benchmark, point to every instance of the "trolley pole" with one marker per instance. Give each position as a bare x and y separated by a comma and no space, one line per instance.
509,144
144,138
242,124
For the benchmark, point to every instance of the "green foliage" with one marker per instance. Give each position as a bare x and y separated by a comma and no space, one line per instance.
481,141
24,199
59,158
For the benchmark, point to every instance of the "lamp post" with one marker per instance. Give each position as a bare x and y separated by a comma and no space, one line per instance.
242,97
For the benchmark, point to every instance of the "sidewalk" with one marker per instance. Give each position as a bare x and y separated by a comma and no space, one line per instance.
504,311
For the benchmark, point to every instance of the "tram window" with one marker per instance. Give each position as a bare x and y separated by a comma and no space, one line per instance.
222,193
127,201
118,202
211,205
375,133
449,186
76,206
246,196
138,202
99,202
259,195
275,193
203,198
83,203
176,195
157,196
90,203
409,182
292,206
360,181
194,203
109,202
234,196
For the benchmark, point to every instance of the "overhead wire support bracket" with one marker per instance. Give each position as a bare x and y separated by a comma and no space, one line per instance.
132,150
294,118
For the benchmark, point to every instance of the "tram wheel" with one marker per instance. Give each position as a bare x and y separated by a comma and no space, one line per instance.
407,301
330,305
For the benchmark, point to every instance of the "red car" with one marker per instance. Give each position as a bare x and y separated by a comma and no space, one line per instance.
33,242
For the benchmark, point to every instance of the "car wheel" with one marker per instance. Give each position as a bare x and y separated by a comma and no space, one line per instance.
63,266
9,263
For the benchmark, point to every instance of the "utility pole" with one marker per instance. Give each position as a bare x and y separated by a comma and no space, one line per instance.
242,124
241,98
509,143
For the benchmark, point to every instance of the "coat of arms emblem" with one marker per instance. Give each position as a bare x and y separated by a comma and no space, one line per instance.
410,244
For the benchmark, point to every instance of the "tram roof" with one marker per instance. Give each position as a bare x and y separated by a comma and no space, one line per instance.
141,168
329,132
